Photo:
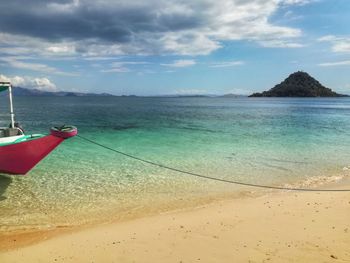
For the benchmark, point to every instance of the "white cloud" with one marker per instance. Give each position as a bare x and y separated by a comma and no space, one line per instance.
327,38
4,78
163,27
120,66
121,63
14,45
182,63
64,7
15,63
62,49
115,70
334,64
339,44
226,64
342,46
100,58
188,43
43,84
280,44
298,2
18,63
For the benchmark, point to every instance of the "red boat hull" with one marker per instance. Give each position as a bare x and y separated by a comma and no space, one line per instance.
20,158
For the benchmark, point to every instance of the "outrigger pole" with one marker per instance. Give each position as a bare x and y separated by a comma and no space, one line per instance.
3,86
11,107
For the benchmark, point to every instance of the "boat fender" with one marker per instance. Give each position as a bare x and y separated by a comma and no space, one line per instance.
64,131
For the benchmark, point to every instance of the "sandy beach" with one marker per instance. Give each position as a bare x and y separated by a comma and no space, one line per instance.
277,227
174,131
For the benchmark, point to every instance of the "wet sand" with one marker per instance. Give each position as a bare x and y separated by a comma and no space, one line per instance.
278,227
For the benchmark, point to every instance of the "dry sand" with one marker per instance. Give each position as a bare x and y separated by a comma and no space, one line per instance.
279,227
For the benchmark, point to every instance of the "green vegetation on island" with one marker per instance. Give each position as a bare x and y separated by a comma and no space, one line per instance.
299,84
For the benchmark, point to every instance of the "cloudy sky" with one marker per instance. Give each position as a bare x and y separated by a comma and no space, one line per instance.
154,47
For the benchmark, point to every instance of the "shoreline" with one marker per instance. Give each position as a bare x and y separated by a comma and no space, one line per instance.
278,226
24,237
27,236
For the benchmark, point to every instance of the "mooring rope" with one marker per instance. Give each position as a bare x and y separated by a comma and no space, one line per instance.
210,177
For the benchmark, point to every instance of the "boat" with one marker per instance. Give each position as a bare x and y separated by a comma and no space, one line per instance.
20,152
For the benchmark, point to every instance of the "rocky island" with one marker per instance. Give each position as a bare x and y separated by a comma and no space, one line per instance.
299,84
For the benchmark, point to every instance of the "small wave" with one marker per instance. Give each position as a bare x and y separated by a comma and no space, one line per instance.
317,181
346,168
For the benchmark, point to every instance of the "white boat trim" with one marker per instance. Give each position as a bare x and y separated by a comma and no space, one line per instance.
10,139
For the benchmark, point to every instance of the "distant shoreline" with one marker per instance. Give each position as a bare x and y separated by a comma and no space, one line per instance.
35,93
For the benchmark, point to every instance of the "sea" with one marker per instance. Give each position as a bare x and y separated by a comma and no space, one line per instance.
294,142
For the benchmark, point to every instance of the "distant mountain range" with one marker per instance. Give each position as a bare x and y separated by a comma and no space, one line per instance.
229,95
18,91
299,84
22,92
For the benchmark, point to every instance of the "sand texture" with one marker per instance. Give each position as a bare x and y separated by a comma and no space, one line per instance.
279,227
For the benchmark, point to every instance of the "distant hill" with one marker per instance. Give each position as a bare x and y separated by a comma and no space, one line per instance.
230,95
18,91
299,84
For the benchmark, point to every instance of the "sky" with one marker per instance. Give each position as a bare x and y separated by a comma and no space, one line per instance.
166,47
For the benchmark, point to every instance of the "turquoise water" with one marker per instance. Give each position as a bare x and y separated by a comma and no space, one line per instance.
270,141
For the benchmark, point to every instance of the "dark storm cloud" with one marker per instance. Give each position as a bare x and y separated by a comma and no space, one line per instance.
56,20
115,27
180,22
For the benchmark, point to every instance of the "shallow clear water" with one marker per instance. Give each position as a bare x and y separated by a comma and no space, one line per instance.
270,141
